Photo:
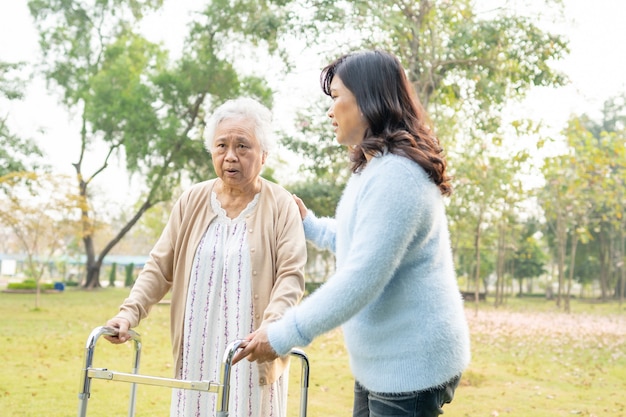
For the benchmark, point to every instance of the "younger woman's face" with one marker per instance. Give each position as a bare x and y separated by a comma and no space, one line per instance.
348,122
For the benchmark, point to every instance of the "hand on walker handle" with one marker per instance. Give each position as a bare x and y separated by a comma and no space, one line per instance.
122,326
239,355
256,347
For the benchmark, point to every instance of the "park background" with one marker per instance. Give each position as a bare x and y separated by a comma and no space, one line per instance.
101,130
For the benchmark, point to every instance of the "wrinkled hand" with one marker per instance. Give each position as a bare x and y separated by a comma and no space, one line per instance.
122,326
301,206
256,347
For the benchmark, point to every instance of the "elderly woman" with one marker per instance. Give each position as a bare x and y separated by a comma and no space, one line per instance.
233,255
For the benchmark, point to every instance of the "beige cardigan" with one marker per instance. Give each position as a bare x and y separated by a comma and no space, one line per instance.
277,254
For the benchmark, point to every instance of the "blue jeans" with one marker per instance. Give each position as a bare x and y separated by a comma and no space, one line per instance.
425,403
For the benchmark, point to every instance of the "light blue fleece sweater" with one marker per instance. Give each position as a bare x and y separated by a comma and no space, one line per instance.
394,291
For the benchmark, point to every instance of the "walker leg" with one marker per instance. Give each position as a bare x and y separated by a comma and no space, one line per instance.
304,380
85,381
133,386
224,391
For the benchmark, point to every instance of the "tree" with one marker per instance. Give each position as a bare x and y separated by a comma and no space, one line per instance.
145,109
592,171
529,259
466,67
17,154
605,145
576,180
325,161
11,85
40,213
456,57
557,198
31,226
324,172
487,194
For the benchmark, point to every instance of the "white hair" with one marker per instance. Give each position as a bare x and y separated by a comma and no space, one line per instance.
245,108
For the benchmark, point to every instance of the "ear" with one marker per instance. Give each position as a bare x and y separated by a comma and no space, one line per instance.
263,158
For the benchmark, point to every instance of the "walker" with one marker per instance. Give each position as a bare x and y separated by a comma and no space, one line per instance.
222,388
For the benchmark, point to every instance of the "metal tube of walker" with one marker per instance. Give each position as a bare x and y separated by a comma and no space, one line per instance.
304,380
224,390
85,381
223,394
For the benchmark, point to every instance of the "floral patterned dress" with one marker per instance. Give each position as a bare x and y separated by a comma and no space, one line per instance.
218,311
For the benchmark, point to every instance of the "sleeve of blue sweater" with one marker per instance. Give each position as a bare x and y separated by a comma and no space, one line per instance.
320,231
392,201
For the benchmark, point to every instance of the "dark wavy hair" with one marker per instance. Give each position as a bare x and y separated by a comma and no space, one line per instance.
397,121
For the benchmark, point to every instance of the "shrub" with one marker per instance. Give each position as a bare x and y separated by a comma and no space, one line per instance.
29,284
112,275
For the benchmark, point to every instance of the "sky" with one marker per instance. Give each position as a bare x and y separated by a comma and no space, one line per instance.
596,67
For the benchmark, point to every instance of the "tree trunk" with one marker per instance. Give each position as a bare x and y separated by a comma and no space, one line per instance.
37,294
561,243
603,258
34,274
92,265
512,273
477,274
622,264
572,264
500,264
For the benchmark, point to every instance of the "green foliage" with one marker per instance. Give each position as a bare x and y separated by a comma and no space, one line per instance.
120,104
29,285
613,117
39,216
17,154
529,259
587,266
584,196
487,192
325,165
268,174
112,274
310,287
11,81
324,169
325,159
501,57
321,198
129,275
454,55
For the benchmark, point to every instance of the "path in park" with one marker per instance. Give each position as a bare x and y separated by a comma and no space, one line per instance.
552,327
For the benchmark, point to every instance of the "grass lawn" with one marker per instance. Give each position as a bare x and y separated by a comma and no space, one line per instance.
529,359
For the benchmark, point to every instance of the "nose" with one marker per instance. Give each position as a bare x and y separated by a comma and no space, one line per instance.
231,154
331,111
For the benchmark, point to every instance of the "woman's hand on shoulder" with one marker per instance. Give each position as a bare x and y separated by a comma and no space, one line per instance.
301,206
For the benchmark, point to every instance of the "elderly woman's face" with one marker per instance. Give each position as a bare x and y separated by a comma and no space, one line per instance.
236,153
